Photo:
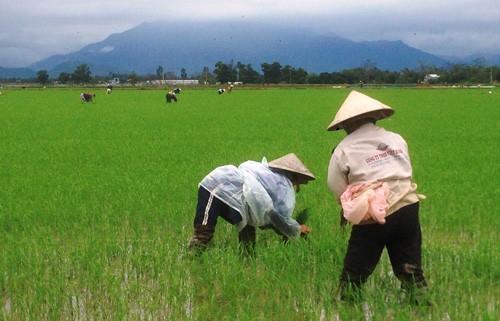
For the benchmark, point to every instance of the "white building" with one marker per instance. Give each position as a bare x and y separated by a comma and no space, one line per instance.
175,82
430,77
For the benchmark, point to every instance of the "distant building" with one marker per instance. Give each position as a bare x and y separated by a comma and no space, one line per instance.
430,78
114,81
175,82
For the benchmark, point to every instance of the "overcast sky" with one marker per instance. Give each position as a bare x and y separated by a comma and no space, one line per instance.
31,30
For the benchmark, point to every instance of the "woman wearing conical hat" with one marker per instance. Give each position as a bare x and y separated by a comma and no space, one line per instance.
370,175
254,194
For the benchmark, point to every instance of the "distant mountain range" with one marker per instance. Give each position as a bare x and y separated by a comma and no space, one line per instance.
194,45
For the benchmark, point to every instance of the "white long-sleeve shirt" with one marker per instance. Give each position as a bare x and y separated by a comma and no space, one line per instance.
371,154
262,196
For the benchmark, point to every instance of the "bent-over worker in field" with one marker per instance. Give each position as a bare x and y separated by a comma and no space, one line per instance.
251,195
370,175
171,96
88,97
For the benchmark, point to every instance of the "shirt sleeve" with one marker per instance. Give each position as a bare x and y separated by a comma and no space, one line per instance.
286,225
337,178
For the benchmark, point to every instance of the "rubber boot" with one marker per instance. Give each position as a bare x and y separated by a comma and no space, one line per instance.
202,236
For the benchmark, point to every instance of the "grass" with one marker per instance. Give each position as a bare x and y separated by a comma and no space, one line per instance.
97,201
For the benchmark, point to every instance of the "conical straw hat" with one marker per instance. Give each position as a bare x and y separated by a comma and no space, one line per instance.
291,163
357,106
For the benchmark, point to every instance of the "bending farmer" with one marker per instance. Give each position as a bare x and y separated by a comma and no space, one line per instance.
251,195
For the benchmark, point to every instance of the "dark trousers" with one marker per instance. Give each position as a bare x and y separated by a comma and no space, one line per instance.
401,235
209,209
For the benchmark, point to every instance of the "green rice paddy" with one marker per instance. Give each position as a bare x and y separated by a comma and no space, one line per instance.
97,202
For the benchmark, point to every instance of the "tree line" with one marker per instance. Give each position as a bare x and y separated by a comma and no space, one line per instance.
275,73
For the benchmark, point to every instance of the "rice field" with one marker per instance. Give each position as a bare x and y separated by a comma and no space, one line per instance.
97,202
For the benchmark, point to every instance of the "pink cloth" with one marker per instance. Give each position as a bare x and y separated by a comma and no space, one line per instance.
361,202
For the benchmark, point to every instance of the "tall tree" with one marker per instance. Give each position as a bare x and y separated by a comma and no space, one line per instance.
407,76
132,78
224,73
159,72
64,78
286,74
81,74
271,72
290,75
184,73
246,74
42,76
205,77
206,72
299,76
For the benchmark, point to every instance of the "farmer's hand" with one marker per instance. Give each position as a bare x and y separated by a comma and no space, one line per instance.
304,230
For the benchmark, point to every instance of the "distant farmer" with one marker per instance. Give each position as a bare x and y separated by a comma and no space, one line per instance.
171,96
370,175
87,97
248,196
109,89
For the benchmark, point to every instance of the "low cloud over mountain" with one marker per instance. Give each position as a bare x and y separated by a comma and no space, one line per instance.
194,46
